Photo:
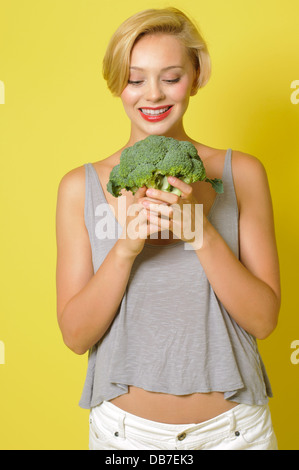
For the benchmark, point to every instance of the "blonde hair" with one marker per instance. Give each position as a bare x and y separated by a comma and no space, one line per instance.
116,63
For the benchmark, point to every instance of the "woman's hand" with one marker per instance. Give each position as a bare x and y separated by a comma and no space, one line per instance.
182,215
137,227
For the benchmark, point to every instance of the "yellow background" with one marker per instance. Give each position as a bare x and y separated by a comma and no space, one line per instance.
58,114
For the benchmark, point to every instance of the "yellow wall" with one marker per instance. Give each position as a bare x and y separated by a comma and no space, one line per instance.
58,115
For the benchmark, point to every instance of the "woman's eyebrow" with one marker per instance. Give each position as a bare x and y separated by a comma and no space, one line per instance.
164,69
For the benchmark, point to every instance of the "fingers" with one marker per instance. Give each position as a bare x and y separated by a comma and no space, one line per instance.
185,188
163,209
158,209
141,223
170,198
159,222
140,192
162,196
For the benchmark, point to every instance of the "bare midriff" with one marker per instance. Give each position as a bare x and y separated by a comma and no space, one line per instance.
173,409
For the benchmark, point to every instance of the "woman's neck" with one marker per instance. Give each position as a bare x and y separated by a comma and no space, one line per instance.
137,135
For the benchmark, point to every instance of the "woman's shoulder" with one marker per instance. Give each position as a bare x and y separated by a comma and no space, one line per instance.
249,173
244,165
71,193
212,153
72,184
250,179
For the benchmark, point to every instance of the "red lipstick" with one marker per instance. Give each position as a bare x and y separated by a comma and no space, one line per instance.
154,114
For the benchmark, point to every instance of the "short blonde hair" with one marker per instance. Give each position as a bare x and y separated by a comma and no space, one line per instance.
116,63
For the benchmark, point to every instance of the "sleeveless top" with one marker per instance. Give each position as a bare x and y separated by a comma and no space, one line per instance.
171,334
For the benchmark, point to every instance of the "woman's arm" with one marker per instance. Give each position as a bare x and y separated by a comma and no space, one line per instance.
249,289
86,302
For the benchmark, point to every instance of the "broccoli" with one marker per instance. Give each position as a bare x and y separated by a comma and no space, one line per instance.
150,161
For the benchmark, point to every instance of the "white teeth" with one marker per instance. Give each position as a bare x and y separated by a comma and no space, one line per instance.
154,112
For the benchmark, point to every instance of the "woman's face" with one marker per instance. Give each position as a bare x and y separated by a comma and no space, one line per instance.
159,87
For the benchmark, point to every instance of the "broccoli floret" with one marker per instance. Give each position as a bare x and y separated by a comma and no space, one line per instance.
149,162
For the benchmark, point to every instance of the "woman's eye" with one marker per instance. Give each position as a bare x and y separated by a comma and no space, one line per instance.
134,82
175,80
139,82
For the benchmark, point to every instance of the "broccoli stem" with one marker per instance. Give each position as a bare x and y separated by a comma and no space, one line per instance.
168,188
165,186
161,183
176,191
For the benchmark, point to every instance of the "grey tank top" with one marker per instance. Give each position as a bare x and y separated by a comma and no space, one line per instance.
171,334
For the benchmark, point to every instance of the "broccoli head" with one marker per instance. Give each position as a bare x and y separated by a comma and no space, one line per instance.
149,162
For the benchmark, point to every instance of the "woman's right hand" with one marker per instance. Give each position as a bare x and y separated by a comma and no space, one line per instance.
136,228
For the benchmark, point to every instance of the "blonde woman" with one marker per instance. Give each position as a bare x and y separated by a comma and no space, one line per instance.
171,333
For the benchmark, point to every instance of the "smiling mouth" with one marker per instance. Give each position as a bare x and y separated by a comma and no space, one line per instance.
154,111
155,114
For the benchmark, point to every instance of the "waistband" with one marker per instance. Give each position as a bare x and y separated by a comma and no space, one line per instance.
112,417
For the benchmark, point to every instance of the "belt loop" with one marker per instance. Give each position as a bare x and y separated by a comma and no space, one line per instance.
121,425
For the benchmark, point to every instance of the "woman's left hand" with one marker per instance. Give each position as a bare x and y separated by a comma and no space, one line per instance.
182,215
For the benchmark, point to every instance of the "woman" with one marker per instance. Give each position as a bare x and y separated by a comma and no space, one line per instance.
171,333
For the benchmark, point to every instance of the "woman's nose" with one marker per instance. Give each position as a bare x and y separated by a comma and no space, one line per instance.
154,91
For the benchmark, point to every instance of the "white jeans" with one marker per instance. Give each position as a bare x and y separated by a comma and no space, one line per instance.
241,428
